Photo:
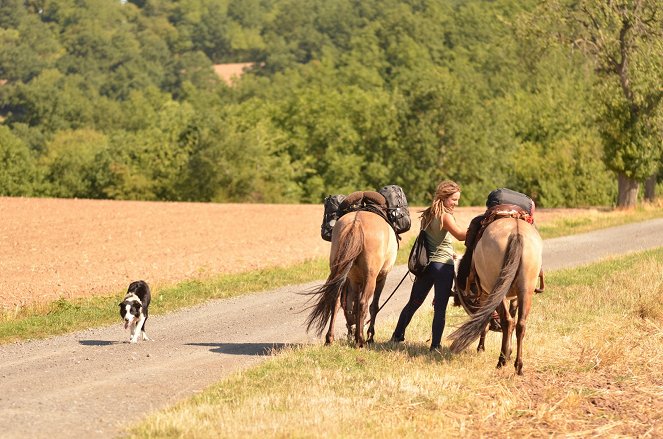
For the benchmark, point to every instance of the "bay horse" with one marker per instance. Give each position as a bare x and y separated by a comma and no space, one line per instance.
507,260
363,252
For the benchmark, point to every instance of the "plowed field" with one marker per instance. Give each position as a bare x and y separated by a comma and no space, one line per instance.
57,248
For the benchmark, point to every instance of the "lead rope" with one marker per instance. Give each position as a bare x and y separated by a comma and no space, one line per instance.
390,296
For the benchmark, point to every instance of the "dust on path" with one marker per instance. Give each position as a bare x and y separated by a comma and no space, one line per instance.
93,383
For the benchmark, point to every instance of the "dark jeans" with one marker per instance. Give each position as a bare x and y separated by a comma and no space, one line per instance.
440,276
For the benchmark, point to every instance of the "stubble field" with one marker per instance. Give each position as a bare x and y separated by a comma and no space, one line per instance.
70,248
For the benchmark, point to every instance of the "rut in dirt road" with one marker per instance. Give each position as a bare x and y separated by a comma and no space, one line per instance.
92,383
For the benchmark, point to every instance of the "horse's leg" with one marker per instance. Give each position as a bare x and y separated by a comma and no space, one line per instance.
347,303
482,339
524,305
329,339
349,327
362,308
375,306
507,323
513,309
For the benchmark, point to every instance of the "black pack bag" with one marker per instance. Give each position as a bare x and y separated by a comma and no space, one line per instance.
508,196
418,259
397,209
332,213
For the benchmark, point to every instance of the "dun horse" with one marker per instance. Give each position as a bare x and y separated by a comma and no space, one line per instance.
363,251
507,260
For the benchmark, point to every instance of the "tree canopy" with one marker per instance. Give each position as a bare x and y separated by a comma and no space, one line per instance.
119,99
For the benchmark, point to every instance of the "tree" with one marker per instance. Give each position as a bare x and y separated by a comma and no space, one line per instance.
70,164
624,39
27,49
17,167
149,164
51,100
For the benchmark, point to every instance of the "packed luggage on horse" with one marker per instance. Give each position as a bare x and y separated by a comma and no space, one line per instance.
363,228
389,202
499,273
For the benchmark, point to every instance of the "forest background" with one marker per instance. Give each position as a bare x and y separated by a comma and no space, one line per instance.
119,99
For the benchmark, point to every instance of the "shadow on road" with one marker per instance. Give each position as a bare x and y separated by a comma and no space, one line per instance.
260,349
98,342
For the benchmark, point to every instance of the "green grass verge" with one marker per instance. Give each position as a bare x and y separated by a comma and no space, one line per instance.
598,219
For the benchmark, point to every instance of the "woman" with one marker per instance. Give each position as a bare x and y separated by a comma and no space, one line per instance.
439,225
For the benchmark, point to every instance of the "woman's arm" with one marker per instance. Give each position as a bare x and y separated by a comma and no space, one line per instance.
449,224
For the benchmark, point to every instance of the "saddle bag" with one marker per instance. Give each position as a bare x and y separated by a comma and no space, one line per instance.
508,196
331,215
398,212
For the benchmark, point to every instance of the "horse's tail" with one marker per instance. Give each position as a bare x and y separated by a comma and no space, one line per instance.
351,244
471,329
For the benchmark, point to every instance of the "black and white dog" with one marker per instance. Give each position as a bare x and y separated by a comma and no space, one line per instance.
133,309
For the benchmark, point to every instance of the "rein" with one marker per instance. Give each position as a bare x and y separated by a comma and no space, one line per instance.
390,296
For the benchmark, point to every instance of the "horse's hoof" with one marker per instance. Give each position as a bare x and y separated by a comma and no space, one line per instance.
481,349
519,368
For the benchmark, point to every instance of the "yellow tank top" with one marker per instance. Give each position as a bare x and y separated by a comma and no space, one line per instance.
438,243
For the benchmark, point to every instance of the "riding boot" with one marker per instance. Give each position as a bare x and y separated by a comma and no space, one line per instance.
466,261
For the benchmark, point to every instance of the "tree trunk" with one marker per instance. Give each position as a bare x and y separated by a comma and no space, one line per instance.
650,189
628,192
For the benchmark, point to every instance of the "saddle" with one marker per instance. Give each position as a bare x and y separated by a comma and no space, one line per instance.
363,200
502,211
367,200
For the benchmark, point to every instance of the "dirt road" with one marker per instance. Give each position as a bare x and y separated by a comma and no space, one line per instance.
92,383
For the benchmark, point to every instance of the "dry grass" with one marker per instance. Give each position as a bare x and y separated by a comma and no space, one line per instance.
593,358
560,222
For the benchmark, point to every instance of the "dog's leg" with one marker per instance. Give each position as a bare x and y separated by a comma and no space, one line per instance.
136,329
132,337
142,327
